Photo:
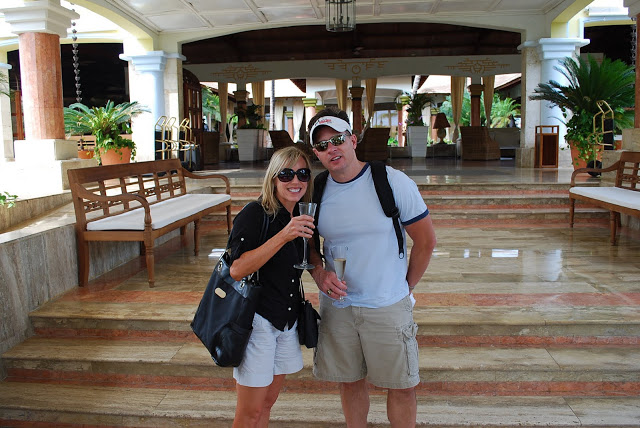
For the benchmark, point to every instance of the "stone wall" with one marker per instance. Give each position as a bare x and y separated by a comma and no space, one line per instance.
39,263
40,267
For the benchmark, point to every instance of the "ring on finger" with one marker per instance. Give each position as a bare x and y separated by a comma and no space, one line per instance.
328,292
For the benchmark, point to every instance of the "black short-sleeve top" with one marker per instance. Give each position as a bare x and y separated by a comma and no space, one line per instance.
280,297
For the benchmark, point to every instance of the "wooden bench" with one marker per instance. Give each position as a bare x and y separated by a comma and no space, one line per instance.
374,145
138,202
622,198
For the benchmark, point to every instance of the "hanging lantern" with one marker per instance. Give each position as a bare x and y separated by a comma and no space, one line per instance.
340,15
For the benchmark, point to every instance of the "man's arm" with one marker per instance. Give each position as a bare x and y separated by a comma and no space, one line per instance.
424,241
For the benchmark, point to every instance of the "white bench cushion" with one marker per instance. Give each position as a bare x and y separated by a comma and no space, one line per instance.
162,213
613,195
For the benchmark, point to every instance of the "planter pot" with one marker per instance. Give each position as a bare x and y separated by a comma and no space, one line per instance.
251,146
85,154
111,157
418,136
581,163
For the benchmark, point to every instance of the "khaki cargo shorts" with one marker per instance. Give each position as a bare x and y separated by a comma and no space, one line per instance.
379,344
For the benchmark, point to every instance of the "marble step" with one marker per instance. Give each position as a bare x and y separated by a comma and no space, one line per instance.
56,405
453,325
254,186
515,198
601,371
487,214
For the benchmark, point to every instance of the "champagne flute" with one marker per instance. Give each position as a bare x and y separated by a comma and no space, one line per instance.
339,256
306,208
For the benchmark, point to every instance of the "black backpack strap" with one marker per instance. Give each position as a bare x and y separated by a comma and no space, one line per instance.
385,195
319,183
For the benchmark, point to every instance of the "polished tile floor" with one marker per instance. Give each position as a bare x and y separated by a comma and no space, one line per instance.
435,171
525,325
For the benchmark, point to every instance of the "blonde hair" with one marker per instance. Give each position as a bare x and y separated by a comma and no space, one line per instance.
281,159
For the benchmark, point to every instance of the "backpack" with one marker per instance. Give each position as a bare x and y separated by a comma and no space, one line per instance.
385,196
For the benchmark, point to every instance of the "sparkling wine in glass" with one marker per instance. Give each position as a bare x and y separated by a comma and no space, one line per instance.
306,208
339,256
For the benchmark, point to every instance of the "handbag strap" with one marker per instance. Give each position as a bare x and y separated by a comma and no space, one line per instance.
302,291
263,236
263,239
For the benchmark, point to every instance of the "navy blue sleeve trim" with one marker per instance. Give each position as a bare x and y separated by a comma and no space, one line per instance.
413,220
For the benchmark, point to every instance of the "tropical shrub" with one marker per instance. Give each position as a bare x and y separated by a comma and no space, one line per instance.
588,83
105,123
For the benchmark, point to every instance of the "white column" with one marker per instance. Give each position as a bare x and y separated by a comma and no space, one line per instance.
633,7
551,51
146,86
6,129
530,110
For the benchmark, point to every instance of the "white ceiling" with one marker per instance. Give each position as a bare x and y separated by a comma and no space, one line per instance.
168,16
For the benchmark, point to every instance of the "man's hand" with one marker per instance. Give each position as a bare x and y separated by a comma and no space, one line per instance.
326,281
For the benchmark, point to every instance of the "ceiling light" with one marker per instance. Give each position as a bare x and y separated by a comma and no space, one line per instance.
340,15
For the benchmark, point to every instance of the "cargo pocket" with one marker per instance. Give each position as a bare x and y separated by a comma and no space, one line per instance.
409,333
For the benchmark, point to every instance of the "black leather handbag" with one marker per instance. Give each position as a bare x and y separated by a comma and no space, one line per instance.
307,322
223,321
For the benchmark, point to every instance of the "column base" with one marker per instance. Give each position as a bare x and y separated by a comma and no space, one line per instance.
34,179
631,139
525,157
45,150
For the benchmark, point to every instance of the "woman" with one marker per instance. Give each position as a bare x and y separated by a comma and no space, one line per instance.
273,350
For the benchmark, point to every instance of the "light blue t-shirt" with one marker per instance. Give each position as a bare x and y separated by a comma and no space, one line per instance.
351,215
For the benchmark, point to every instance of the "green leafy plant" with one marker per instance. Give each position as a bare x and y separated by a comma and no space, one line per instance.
416,103
502,110
210,104
253,117
7,200
105,123
588,83
4,85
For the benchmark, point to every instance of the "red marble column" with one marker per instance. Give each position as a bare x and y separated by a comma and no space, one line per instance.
400,136
241,102
476,90
356,108
41,74
289,116
637,104
309,112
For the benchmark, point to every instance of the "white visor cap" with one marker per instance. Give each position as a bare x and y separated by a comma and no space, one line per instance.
333,122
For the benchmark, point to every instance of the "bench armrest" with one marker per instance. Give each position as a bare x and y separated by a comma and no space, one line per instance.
81,192
189,174
599,170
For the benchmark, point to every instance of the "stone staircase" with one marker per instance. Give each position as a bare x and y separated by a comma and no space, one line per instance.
504,204
531,324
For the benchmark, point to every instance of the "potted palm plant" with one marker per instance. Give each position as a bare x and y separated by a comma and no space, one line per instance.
107,124
251,135
588,83
417,131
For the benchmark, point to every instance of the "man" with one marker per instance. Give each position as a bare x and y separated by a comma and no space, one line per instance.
374,338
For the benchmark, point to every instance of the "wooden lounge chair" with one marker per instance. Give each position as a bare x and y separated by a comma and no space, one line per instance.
477,145
280,139
373,145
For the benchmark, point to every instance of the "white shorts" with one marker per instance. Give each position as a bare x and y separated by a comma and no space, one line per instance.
270,352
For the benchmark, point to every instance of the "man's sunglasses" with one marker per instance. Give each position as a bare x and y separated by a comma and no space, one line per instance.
336,140
287,174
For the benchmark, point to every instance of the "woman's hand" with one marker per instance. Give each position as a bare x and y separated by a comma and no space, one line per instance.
299,226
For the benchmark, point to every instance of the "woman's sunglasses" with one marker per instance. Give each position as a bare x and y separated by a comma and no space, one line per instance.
287,174
336,140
